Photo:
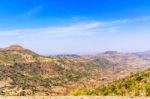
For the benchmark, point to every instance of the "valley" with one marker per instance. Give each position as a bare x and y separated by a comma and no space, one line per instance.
24,72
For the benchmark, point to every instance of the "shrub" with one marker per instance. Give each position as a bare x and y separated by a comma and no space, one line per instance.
147,87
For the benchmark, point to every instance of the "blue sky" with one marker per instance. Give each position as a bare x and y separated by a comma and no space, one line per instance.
76,26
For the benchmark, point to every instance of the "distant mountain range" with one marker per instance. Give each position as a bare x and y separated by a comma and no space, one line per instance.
144,55
24,72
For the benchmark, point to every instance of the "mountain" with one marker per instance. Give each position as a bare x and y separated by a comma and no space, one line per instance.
16,53
144,55
16,49
67,55
23,72
121,64
134,85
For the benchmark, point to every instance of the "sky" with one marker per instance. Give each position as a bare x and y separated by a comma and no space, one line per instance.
76,26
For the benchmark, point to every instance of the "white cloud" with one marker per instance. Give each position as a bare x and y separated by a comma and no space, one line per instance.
75,29
124,21
80,29
56,37
33,11
76,18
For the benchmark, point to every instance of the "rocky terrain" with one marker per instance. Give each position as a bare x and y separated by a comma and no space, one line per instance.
23,72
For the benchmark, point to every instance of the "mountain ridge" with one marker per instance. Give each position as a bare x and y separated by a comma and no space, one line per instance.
24,72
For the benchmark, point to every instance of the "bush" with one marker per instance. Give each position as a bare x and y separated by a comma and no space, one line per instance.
139,78
22,93
147,87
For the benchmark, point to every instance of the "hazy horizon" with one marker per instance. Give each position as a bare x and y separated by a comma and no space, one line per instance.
75,26
88,53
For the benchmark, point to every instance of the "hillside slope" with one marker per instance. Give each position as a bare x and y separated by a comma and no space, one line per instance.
23,72
134,85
